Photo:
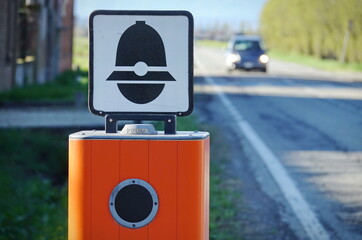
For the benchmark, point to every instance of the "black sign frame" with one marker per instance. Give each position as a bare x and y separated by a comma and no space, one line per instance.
141,13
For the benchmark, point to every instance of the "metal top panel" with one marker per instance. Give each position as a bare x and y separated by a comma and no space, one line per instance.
180,135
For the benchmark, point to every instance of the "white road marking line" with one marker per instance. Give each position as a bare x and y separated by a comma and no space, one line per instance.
293,196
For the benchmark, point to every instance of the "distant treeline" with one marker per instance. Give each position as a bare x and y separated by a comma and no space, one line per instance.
323,28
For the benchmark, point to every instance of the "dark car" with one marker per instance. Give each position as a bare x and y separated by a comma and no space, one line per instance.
245,52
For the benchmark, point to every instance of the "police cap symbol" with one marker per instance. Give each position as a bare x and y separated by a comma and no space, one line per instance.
141,47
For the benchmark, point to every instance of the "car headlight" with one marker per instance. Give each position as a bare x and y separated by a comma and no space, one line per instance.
264,58
234,57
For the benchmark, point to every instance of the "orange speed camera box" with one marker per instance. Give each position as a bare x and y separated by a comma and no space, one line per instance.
135,187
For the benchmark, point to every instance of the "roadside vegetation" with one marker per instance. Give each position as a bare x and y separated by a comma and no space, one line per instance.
212,43
323,64
33,177
63,89
322,29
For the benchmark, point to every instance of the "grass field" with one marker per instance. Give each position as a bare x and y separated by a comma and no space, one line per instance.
33,178
62,89
324,64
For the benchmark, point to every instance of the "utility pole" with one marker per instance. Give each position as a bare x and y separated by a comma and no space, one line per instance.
342,57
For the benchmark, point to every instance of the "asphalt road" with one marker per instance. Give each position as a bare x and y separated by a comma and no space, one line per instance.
296,140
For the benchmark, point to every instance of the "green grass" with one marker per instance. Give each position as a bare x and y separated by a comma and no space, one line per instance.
62,89
324,64
224,221
81,53
212,43
33,177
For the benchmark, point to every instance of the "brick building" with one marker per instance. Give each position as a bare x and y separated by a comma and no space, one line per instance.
35,41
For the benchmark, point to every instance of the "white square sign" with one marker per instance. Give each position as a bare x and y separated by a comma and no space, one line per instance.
141,62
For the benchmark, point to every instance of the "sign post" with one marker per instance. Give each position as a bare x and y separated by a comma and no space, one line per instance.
139,183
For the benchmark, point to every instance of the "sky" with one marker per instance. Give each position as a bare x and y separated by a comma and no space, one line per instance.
205,12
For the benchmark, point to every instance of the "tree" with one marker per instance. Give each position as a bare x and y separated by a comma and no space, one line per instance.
320,28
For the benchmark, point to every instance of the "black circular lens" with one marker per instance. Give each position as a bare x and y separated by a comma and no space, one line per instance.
133,203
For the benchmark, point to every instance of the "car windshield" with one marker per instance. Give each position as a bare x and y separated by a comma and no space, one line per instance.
242,45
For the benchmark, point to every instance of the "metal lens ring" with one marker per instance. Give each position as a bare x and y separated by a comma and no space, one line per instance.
133,203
